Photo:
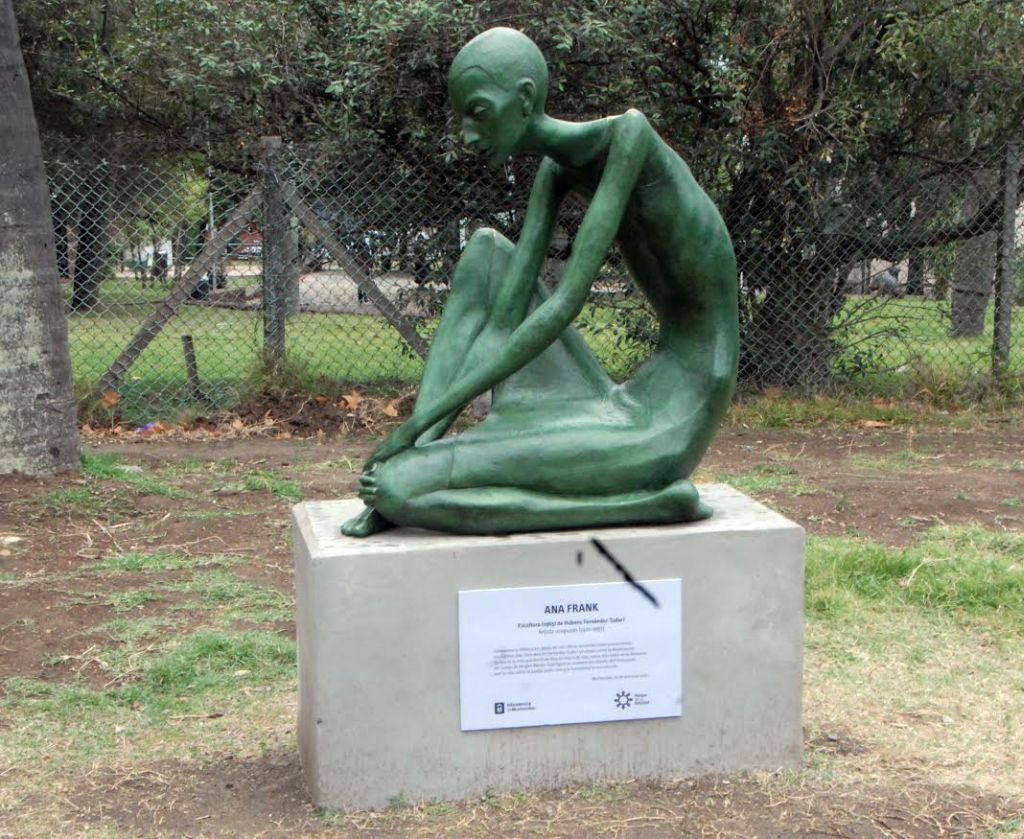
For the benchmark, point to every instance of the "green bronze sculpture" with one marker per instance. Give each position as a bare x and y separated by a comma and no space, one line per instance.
564,446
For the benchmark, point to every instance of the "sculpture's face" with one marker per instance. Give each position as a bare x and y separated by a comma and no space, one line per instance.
494,115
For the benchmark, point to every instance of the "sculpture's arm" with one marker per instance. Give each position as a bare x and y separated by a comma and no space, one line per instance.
516,287
513,299
499,354
518,284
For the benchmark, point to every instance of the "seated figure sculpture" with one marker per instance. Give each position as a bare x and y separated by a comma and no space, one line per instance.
563,445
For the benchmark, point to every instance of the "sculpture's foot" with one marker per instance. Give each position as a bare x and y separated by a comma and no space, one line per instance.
681,502
368,522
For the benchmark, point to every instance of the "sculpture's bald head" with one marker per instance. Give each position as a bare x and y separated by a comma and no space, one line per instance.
507,56
498,85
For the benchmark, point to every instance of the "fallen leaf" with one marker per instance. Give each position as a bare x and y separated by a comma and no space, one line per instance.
390,410
237,424
111,398
351,400
872,424
322,400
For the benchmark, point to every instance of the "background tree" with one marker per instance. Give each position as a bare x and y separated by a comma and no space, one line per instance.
38,433
821,127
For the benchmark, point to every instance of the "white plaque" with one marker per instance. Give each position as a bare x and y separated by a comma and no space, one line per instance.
552,655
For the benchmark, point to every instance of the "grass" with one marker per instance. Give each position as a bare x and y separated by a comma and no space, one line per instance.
997,464
81,500
915,652
265,480
968,573
186,466
105,466
178,637
209,588
108,490
101,470
228,346
777,409
900,643
763,478
130,599
159,561
130,631
192,657
900,459
208,661
184,672
206,515
907,339
223,599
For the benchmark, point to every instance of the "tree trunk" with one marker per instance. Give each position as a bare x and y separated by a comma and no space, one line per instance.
787,332
915,274
38,432
927,204
93,247
975,265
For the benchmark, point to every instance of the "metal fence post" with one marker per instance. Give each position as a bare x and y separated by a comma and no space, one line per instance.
277,266
1005,279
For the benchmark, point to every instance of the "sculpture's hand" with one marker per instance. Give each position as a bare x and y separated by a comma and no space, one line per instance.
396,442
368,486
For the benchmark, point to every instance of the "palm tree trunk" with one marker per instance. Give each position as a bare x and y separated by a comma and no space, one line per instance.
38,431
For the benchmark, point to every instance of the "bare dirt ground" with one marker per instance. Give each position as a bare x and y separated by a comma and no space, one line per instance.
888,483
231,496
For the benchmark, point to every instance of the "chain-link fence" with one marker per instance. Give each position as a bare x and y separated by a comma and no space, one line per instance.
184,281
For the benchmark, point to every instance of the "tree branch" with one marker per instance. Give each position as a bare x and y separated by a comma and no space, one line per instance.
893,248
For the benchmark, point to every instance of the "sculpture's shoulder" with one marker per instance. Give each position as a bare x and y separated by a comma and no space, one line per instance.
635,136
633,132
632,121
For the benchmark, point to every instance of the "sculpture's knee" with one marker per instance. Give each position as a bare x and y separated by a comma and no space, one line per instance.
485,256
409,476
483,239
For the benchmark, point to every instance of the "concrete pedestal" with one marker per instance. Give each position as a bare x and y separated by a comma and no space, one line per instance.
379,665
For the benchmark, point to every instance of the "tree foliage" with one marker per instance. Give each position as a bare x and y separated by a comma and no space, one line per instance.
805,119
812,81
